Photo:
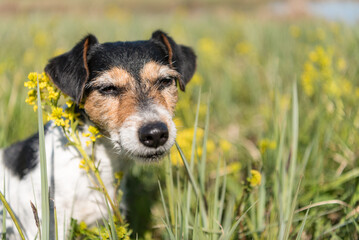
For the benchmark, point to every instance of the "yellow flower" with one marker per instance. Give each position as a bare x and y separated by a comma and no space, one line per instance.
52,94
69,103
266,144
244,47
225,145
255,178
82,225
93,130
30,84
57,115
84,165
32,76
207,45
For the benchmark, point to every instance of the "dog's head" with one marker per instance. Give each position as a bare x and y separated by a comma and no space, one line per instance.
129,89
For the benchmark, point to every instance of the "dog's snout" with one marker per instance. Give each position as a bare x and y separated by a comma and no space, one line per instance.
153,134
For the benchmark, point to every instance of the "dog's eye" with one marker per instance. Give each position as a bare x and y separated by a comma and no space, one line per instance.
166,82
110,90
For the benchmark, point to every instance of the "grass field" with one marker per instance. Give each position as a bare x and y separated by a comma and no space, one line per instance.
277,96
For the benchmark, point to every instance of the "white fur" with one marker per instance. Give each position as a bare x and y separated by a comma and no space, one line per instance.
73,195
126,138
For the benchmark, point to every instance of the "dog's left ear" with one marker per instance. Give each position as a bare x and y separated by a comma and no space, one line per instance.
180,57
70,71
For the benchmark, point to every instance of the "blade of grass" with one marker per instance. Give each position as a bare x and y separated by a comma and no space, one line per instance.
45,208
215,199
193,151
168,228
295,129
228,235
290,219
170,188
111,222
202,166
4,215
12,215
223,195
195,187
299,236
164,205
56,227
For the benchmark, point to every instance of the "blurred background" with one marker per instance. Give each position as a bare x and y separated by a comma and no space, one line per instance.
259,63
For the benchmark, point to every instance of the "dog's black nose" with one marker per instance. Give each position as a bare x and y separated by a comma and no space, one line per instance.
153,134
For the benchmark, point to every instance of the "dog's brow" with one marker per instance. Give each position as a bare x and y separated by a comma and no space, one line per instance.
115,76
153,71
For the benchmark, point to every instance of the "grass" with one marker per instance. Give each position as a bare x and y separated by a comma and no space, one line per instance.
277,96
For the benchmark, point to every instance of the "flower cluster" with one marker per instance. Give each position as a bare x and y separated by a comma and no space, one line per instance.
184,139
49,94
321,73
93,134
255,178
60,109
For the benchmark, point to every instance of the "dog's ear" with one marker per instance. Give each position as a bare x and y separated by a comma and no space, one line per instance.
70,71
180,57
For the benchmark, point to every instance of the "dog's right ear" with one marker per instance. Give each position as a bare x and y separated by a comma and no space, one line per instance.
70,71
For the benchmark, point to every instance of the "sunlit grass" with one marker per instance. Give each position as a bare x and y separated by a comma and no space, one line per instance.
283,101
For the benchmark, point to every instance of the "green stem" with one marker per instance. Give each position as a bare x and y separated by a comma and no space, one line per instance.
95,171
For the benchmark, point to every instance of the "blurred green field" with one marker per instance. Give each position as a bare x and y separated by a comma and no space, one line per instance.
282,95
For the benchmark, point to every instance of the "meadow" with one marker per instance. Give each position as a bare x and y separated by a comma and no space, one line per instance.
267,127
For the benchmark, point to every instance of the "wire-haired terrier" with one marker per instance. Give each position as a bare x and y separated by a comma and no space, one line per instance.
129,91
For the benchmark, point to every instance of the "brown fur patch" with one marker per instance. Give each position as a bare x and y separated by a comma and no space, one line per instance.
152,71
116,76
110,112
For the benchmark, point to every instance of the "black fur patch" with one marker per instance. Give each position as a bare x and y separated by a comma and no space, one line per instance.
23,156
72,70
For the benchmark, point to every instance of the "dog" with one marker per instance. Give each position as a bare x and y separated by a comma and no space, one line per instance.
129,91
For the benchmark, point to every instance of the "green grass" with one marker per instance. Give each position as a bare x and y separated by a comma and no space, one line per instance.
250,72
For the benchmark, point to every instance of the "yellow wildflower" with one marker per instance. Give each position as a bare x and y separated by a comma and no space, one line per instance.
32,76
244,47
93,130
255,178
57,115
266,144
84,165
225,145
52,94
207,45
69,103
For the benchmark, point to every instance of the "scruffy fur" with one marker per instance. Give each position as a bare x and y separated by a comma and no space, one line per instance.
129,91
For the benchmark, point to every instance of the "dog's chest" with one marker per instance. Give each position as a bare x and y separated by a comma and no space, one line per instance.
70,187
